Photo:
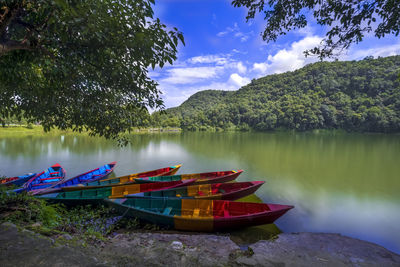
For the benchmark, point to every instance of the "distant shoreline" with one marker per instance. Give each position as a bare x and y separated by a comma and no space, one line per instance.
37,130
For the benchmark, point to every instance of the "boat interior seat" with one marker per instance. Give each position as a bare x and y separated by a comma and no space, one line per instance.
167,211
196,212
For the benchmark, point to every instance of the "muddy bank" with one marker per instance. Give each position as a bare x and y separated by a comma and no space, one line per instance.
20,247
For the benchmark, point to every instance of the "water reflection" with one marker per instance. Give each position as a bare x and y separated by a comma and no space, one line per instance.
345,183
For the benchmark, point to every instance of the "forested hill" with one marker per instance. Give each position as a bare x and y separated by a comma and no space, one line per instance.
201,101
353,95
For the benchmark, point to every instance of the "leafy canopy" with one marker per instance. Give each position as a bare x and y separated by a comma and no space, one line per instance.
82,64
347,21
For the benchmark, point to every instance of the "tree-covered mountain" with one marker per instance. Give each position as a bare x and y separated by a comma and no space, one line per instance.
352,95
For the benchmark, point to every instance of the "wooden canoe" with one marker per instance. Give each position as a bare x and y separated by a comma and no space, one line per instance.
130,177
93,175
45,179
198,214
94,196
225,191
18,180
201,178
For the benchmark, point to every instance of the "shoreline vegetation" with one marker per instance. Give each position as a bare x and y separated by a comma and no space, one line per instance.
37,130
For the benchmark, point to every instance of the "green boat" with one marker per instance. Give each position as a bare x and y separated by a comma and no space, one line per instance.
198,214
95,196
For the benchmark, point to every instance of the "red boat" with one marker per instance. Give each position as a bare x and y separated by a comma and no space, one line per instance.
225,191
198,214
201,178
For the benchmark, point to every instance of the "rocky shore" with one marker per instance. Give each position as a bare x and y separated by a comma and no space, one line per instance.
21,247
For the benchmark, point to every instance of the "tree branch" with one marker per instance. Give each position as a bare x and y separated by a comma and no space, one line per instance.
11,45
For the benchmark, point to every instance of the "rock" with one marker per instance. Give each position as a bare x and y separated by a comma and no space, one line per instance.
36,225
8,225
316,249
177,245
170,249
67,236
20,248
26,231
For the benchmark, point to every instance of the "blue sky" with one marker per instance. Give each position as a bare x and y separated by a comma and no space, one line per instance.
224,52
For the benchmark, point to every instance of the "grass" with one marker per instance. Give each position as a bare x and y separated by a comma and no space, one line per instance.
37,130
88,223
26,130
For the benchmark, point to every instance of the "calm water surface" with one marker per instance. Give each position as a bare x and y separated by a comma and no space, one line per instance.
339,183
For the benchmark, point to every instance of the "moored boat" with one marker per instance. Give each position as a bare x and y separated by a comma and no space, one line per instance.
198,214
131,177
201,178
17,181
89,176
94,196
44,179
225,191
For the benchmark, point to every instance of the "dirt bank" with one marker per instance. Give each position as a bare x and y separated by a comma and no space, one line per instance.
19,247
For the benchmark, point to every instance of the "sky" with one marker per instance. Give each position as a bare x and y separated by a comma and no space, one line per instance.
224,52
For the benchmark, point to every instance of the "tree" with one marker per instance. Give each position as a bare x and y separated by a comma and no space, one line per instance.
347,21
82,64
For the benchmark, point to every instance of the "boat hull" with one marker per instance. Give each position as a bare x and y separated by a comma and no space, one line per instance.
223,191
92,175
45,179
201,178
17,181
199,215
95,196
131,177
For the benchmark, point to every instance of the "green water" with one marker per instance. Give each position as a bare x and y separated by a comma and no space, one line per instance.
340,183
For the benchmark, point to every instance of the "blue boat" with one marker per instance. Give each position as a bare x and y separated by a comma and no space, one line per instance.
45,179
90,176
18,180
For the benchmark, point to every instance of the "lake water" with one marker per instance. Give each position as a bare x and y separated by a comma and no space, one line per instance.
338,183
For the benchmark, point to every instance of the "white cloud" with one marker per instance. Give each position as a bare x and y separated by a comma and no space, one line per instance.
260,67
292,58
241,68
238,80
382,51
190,75
217,59
237,33
308,30
221,34
174,95
203,68
235,28
288,59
